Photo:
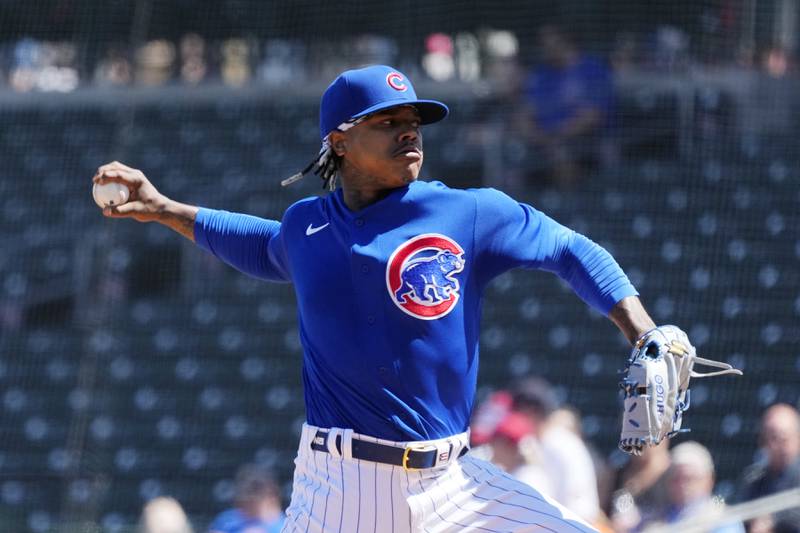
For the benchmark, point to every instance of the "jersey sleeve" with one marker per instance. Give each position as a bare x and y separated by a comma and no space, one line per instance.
250,244
510,234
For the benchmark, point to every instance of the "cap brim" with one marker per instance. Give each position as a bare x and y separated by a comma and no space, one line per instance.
430,111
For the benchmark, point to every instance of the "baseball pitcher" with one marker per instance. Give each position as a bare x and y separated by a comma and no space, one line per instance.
389,273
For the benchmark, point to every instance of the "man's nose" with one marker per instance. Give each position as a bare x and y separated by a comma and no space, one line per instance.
409,133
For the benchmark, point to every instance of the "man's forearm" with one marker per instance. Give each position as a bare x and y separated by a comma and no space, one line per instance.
631,318
179,217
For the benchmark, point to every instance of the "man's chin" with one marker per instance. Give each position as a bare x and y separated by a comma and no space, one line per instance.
411,172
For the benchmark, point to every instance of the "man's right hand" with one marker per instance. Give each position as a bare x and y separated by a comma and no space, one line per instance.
145,204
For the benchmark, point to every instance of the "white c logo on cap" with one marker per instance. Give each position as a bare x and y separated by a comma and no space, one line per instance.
395,81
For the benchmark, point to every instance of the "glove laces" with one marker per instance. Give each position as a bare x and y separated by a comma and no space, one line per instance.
726,368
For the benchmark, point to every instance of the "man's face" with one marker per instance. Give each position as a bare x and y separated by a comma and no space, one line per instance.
553,47
386,148
687,484
505,452
780,437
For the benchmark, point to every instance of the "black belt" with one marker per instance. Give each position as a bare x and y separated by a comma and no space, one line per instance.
410,457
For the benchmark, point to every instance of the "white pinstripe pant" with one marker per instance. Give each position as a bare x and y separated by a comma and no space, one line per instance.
332,493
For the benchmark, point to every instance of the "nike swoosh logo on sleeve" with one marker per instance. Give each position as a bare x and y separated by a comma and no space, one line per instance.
311,230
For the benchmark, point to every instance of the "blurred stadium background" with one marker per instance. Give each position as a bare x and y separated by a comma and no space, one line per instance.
134,365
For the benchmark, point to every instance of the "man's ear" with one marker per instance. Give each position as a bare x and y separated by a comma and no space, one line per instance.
338,142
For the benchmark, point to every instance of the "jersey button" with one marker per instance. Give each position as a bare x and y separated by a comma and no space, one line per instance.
364,269
359,222
370,319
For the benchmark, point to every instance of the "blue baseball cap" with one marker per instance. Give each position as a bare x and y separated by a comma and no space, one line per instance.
356,93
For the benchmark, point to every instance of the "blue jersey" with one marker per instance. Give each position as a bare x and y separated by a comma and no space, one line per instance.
557,95
235,521
389,297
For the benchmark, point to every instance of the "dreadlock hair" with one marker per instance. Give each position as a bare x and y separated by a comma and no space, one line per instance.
327,163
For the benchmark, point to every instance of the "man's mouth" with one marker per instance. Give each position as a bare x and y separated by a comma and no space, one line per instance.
410,151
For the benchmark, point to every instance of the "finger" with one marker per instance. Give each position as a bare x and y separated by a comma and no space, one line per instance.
125,210
116,167
125,178
130,208
104,168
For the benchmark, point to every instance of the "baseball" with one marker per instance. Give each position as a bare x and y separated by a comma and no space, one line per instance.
110,194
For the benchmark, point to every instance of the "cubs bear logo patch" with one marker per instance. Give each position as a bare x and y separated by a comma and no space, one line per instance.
421,276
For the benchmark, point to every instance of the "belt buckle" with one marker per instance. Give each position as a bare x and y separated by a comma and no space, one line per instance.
412,448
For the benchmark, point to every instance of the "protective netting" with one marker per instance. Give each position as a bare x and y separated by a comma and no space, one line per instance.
133,364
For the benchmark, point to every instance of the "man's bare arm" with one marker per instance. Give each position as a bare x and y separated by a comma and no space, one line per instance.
631,318
180,218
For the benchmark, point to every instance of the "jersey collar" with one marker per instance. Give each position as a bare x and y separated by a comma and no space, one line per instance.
379,206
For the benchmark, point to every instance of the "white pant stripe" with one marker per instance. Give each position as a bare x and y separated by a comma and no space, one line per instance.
358,521
522,489
461,496
527,491
304,480
341,512
450,479
410,508
454,501
505,491
300,484
328,493
435,482
420,509
375,498
315,483
391,495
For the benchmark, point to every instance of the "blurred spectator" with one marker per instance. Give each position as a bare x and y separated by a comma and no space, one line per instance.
567,418
563,455
26,62
780,469
569,98
44,66
776,62
114,69
438,60
625,54
155,62
488,416
539,445
670,51
283,61
164,515
257,504
690,482
570,419
194,68
641,487
236,70
513,449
